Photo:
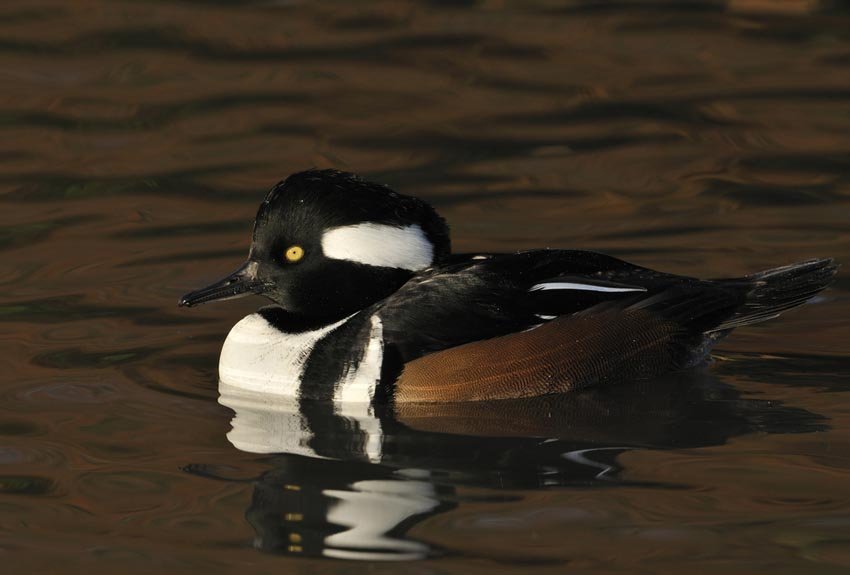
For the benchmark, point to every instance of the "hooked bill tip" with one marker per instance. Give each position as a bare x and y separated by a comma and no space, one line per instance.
189,300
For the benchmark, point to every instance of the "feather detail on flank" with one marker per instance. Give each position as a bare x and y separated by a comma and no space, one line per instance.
583,287
380,245
545,317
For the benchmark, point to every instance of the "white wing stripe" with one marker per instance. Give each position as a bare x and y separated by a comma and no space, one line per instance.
582,287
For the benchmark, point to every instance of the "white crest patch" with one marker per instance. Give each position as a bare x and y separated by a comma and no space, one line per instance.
258,357
582,287
380,245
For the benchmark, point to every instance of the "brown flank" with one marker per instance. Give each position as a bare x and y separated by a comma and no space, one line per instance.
565,354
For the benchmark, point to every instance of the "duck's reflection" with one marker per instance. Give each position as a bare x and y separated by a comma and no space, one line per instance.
351,482
341,510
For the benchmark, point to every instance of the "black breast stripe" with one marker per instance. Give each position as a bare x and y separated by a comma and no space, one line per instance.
336,352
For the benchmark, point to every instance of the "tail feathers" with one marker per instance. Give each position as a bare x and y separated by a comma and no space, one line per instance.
773,291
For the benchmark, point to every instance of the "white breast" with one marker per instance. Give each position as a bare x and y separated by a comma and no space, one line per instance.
258,357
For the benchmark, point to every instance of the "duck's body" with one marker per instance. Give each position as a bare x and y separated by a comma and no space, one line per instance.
373,307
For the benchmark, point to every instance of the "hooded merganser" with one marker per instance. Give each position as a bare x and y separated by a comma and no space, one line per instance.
371,306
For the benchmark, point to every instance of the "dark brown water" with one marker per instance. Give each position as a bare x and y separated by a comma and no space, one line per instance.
704,138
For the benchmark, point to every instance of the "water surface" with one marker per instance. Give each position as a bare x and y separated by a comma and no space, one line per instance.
703,138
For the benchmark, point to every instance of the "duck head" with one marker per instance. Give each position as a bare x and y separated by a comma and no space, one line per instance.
327,244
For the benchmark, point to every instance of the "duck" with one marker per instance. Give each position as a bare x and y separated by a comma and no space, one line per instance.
370,306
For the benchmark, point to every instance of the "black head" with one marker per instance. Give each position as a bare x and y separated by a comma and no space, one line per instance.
327,244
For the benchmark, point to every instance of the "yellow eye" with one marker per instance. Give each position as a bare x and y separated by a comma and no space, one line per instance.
294,253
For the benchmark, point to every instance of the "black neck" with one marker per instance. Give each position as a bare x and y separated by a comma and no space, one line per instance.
289,322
